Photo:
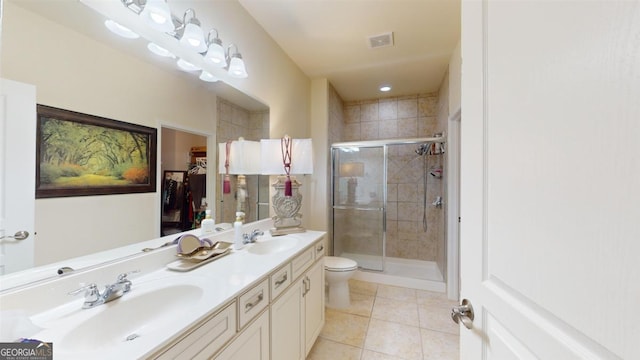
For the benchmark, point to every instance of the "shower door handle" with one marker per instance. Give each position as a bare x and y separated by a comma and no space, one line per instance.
463,313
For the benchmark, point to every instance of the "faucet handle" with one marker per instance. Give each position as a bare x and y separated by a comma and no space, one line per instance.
90,292
123,277
257,232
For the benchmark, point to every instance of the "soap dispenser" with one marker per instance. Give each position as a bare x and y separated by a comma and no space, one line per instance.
237,235
207,226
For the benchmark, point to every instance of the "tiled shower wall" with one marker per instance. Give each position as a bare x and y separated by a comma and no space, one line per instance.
234,122
395,118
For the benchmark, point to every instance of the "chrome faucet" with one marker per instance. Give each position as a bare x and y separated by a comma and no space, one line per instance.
251,238
93,297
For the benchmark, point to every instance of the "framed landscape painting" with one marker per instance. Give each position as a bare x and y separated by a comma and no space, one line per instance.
79,155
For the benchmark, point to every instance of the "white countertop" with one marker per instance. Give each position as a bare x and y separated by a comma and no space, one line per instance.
209,287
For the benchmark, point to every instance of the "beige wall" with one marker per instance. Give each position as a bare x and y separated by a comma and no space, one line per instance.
316,184
455,76
176,149
75,72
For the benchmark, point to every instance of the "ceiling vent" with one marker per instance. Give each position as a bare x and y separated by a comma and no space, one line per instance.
382,40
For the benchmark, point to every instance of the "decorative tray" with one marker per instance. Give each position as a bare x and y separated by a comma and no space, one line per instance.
200,256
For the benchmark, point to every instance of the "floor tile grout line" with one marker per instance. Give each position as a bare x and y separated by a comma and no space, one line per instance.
366,333
415,300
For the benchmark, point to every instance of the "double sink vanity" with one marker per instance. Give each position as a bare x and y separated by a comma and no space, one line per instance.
265,301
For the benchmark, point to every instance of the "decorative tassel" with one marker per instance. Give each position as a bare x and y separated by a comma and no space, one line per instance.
226,185
286,146
287,187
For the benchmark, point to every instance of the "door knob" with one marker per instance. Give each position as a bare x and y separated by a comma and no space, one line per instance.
463,313
19,235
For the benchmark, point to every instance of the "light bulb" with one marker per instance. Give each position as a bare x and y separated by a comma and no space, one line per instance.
157,15
118,29
236,67
193,37
187,66
159,50
207,76
215,55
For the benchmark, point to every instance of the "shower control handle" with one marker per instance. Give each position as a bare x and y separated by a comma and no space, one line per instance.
438,202
463,313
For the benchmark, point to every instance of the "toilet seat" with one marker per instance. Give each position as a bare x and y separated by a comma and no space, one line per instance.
339,264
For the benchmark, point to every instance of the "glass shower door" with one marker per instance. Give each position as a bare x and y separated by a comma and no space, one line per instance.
359,198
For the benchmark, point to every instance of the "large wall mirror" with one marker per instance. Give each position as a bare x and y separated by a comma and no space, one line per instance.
183,210
239,115
236,122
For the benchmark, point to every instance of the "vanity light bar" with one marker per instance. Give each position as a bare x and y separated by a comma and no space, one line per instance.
179,28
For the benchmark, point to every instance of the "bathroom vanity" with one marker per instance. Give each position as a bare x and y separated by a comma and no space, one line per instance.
265,301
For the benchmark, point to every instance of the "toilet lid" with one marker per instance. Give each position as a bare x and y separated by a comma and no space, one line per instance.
339,263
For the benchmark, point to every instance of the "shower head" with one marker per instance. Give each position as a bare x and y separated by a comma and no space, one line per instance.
423,149
430,148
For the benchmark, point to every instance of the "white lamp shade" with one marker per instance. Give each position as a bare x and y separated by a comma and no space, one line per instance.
207,76
187,66
120,30
215,55
193,38
352,169
157,15
159,50
301,157
244,157
236,67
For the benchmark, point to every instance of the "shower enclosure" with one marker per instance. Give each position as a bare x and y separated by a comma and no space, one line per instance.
388,209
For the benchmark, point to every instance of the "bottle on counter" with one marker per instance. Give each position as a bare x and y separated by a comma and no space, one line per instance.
237,235
207,226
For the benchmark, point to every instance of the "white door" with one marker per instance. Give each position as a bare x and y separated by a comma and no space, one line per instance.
550,179
17,179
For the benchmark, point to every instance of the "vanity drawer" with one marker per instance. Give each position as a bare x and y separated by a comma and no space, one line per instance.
207,339
300,264
320,248
280,280
252,302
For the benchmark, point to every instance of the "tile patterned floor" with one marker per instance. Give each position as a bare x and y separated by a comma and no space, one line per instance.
389,323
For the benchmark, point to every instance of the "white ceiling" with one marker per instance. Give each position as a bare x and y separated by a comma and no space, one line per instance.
326,38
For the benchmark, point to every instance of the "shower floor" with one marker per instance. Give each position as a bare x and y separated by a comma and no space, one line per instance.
415,274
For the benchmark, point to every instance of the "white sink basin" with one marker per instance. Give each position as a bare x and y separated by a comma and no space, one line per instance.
130,317
273,245
151,308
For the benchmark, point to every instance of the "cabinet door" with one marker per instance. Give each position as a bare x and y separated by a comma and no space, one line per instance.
314,304
287,325
252,343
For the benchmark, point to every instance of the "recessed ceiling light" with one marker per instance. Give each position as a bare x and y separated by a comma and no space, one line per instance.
118,29
385,88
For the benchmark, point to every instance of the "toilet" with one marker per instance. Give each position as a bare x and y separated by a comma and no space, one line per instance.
338,271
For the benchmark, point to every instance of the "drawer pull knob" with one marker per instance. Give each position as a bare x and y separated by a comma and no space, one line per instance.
255,301
307,285
281,280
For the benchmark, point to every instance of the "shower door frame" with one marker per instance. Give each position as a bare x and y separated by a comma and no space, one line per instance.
372,144
334,206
